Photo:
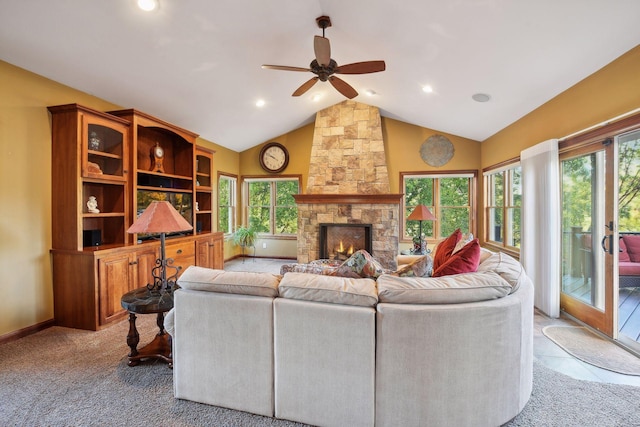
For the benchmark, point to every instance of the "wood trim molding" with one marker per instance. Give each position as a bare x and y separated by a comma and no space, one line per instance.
348,198
29,330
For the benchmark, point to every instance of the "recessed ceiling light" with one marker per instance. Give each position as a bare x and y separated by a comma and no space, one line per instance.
427,89
370,92
148,5
260,103
481,97
316,97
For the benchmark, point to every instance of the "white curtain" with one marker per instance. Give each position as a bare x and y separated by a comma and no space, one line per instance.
540,247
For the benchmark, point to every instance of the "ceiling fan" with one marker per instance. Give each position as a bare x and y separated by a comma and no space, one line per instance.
324,67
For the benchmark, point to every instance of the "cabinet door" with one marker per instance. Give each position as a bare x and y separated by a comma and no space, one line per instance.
203,257
104,146
145,261
210,252
113,282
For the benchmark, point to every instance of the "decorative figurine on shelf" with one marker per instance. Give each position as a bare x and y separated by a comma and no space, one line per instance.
95,143
92,205
197,207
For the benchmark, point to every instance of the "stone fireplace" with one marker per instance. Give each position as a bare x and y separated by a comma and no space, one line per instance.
348,182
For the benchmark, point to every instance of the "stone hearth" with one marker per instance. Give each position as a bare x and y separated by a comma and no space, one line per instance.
348,181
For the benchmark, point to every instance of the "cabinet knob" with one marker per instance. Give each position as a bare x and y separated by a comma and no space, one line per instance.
133,262
179,251
211,245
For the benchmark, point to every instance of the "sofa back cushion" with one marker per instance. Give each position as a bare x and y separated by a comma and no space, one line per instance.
507,267
332,289
458,288
632,246
230,282
624,253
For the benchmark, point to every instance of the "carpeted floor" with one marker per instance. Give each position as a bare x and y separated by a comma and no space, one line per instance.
585,345
68,377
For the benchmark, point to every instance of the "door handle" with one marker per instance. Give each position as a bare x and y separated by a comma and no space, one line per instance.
610,237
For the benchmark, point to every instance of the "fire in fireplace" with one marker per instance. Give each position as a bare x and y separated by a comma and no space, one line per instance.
340,241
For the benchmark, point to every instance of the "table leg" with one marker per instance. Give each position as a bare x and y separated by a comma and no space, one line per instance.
133,338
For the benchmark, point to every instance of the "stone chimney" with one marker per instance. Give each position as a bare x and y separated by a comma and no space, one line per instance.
348,181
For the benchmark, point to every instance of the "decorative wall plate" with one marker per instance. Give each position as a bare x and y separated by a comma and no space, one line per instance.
437,150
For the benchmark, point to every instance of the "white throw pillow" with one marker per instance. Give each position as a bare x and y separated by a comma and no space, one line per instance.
507,267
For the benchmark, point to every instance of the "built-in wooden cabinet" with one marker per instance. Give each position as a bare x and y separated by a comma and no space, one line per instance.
204,191
106,169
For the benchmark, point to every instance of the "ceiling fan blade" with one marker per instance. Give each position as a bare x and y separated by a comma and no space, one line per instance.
361,67
305,86
322,49
284,68
343,87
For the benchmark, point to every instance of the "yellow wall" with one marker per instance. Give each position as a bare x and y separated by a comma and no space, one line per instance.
25,191
611,91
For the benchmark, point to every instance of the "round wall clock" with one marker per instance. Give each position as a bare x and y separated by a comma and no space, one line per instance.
274,157
436,151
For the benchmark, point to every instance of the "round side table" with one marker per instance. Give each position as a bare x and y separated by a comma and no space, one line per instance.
143,301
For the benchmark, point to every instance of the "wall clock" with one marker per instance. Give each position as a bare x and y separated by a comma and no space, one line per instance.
437,150
274,157
157,155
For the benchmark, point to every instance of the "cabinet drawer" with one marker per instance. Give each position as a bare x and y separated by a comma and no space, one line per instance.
180,250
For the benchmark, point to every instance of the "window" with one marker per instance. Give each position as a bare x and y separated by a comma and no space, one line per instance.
227,203
450,197
502,205
271,208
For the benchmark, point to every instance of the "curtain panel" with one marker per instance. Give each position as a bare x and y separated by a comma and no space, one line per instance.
541,210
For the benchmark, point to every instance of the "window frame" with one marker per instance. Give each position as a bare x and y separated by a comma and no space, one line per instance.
506,169
246,180
473,182
233,202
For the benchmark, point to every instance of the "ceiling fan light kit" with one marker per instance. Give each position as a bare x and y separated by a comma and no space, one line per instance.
324,67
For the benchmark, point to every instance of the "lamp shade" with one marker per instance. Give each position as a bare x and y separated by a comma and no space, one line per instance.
421,213
159,217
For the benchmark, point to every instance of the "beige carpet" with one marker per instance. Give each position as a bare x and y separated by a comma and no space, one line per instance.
585,345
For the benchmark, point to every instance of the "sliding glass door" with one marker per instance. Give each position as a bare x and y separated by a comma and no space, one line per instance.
589,238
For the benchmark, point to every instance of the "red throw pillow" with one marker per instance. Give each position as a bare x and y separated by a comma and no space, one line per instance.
624,254
466,260
445,248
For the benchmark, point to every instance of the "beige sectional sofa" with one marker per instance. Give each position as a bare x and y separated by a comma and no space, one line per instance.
335,351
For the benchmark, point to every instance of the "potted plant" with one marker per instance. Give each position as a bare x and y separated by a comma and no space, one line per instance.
245,237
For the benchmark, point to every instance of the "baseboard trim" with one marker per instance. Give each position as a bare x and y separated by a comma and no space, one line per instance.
29,330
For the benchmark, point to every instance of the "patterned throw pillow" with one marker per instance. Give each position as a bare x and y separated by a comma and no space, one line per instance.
421,267
360,264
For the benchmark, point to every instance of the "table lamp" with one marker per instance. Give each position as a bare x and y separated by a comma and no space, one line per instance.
421,213
161,217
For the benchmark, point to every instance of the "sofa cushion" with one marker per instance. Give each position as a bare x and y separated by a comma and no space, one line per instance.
445,248
627,268
507,267
421,266
466,260
459,288
624,253
632,244
360,264
337,290
230,282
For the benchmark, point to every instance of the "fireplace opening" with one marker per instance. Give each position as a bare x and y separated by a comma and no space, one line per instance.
340,241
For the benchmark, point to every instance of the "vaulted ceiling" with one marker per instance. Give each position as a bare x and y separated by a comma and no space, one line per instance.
197,63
